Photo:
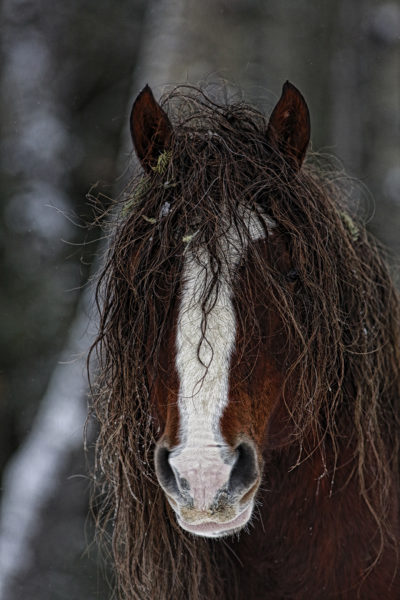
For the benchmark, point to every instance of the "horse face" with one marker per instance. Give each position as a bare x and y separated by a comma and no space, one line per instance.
215,390
220,383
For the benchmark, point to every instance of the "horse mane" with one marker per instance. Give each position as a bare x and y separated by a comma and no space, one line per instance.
343,327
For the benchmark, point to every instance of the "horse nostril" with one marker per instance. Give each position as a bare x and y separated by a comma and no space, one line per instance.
164,471
245,470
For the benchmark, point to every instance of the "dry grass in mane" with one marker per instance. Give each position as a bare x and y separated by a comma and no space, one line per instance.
342,327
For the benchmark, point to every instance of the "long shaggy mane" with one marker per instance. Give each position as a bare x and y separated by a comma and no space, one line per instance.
341,324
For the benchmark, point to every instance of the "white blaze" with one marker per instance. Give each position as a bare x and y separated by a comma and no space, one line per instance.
203,362
203,358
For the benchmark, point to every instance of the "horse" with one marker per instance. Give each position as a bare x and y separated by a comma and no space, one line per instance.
248,385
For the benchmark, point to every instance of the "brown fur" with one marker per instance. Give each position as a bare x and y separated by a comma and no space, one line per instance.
327,523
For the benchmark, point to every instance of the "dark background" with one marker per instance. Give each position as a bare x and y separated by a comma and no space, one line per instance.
69,72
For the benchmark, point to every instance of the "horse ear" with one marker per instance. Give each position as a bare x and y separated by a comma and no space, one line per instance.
151,129
289,125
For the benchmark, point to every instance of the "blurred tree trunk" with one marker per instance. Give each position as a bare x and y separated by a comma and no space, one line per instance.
38,469
365,119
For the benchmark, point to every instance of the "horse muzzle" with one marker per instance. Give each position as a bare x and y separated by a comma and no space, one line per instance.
212,487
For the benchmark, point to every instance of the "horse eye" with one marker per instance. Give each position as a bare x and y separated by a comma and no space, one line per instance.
292,275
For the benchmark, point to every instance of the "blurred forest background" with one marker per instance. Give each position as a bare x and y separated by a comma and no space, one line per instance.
69,72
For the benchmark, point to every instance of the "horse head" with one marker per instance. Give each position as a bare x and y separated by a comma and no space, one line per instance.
221,363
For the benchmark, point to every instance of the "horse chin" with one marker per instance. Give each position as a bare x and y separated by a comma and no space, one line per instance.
206,526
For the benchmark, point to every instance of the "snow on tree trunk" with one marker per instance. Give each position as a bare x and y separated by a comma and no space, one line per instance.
31,475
